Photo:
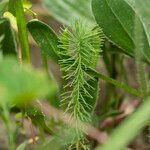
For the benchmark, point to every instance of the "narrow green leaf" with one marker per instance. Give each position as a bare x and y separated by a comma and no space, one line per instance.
67,11
21,84
123,135
116,17
45,37
9,45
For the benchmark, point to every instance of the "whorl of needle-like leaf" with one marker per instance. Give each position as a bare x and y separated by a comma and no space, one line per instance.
80,48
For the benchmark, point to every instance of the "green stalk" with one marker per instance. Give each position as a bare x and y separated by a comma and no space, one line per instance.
22,30
115,82
138,36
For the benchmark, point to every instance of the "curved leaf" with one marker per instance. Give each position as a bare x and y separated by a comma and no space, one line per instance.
67,11
116,17
9,44
45,37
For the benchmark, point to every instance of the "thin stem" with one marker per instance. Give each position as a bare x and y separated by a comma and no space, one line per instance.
115,82
138,36
22,30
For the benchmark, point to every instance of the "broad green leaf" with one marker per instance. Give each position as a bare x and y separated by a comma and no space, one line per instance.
20,84
9,45
143,11
129,128
67,11
45,37
3,5
116,17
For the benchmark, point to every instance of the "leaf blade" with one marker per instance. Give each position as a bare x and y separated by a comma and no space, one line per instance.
120,15
9,44
67,11
45,37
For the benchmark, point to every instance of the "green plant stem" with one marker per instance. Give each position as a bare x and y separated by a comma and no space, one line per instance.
9,127
22,30
115,82
141,76
138,58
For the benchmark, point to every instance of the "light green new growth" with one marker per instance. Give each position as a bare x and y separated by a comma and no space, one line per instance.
79,48
83,45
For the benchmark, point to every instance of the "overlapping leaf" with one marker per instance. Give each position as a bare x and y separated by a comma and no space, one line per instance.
116,17
67,11
45,38
9,45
